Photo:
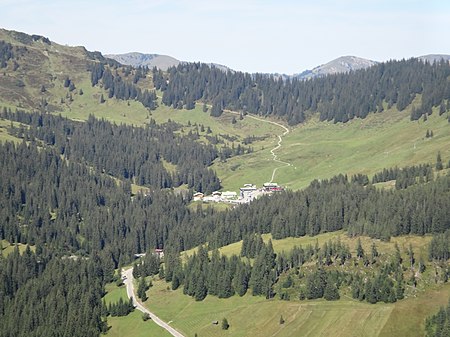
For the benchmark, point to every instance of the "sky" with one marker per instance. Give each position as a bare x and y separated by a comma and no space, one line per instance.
269,36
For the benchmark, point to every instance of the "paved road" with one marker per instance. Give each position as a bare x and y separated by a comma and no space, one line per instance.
130,292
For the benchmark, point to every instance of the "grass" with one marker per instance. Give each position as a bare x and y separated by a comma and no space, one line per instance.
7,248
319,150
114,293
4,135
408,316
133,325
218,125
256,316
419,244
113,110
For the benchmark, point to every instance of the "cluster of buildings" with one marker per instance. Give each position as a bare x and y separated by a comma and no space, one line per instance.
247,194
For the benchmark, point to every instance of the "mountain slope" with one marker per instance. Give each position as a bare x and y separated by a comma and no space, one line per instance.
342,64
39,74
135,59
434,57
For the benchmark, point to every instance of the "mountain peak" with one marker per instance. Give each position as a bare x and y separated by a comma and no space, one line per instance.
342,64
431,58
136,59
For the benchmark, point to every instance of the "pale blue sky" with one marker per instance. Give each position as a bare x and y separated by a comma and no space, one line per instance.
284,36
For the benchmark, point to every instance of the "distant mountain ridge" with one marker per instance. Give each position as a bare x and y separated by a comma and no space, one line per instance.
136,59
345,64
162,62
434,58
342,64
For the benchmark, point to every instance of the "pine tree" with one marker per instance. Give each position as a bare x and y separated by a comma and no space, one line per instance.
374,253
331,292
439,165
359,249
142,288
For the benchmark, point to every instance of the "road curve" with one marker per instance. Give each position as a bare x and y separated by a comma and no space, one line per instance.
280,139
128,273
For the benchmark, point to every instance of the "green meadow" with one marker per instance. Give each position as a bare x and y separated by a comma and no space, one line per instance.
256,316
319,150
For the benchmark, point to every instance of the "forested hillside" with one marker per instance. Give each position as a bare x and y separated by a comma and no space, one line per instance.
80,197
336,98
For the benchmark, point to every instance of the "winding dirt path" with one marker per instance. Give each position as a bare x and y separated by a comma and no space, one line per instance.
130,292
278,146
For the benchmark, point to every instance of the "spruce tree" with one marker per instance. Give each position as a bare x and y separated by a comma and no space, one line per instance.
331,292
142,288
359,249
439,165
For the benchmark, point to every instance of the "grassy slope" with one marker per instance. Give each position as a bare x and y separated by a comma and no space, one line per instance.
251,316
132,324
322,150
255,316
4,135
418,243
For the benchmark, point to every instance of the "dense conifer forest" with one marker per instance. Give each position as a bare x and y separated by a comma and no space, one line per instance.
337,98
43,294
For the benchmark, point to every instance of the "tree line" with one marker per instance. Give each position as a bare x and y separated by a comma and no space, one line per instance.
337,98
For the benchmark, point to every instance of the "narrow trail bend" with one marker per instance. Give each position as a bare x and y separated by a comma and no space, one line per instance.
277,147
128,274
